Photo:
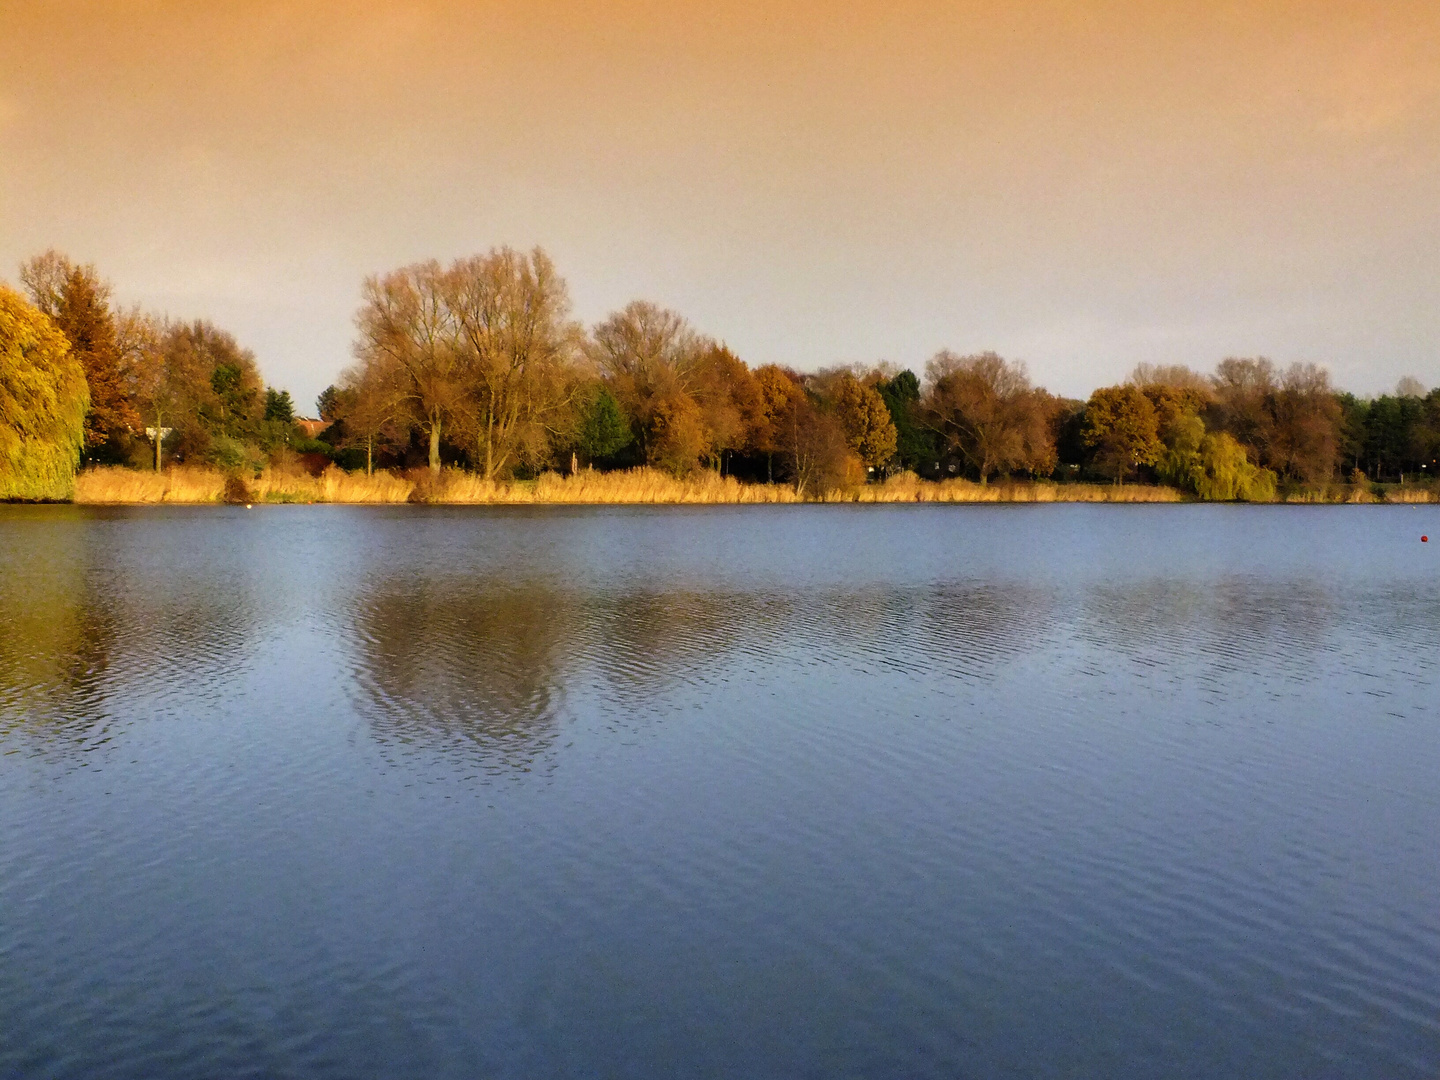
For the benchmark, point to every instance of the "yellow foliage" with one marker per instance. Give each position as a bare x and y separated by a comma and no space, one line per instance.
43,401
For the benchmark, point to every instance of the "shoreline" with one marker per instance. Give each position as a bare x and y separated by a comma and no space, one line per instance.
182,485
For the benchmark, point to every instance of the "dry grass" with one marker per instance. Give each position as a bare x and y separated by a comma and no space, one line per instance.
116,485
1362,494
907,487
1411,494
179,484
635,486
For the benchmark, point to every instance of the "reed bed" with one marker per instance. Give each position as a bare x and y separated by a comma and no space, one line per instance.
181,484
633,486
1412,495
907,487
1362,494
118,485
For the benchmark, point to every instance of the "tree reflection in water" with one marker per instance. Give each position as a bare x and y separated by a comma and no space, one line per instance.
58,633
483,668
471,666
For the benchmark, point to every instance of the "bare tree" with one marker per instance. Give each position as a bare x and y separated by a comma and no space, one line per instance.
1291,419
1409,386
370,402
406,326
150,379
1174,376
515,346
1306,441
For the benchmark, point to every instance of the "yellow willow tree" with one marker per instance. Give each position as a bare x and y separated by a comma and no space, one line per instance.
43,399
516,347
408,330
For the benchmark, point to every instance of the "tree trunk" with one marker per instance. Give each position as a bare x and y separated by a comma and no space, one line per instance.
490,444
435,446
159,438
370,455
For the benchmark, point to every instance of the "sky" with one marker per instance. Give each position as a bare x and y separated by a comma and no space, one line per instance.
1082,185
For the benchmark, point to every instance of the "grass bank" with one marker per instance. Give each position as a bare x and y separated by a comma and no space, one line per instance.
113,485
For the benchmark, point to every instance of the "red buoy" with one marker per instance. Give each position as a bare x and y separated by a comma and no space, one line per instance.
1424,539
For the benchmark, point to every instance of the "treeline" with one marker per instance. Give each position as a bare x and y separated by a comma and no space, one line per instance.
479,364
133,387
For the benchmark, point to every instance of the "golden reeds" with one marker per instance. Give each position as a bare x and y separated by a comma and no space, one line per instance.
907,487
116,485
1412,495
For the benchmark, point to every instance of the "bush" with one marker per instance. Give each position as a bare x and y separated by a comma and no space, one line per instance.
227,453
236,491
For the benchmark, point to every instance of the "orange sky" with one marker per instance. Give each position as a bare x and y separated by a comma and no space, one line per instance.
1080,185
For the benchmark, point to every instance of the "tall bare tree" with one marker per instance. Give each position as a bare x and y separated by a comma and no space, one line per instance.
1306,441
151,384
372,405
515,346
407,327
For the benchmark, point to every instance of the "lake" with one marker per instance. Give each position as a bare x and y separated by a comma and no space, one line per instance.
810,791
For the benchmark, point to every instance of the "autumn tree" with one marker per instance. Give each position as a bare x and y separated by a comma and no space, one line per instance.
914,442
79,303
1121,430
371,406
43,400
984,409
408,333
777,388
1305,418
151,386
730,401
865,421
678,437
515,346
649,356
814,449
215,391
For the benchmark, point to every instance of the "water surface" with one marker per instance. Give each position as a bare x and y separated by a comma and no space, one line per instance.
1054,791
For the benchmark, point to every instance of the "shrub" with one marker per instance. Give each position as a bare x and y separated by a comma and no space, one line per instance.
236,491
